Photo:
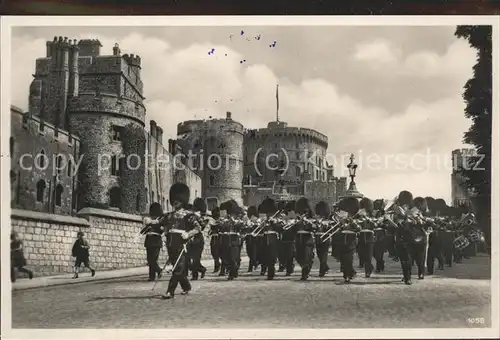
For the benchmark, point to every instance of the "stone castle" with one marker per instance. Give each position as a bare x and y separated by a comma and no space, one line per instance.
460,194
83,158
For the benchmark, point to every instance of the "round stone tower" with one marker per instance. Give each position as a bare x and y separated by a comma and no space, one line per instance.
215,151
106,110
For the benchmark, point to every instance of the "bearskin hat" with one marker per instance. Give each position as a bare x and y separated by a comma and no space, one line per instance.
155,210
289,206
322,209
252,211
200,205
367,204
440,205
379,204
302,206
349,205
420,203
216,213
405,198
268,206
179,192
431,203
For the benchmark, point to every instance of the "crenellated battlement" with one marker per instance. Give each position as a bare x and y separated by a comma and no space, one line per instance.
285,131
132,59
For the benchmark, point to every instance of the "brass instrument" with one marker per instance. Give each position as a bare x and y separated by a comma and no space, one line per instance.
332,231
299,218
261,226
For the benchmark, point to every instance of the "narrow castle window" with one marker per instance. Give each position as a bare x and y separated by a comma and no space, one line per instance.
70,168
152,196
117,133
138,202
114,166
115,197
298,171
11,146
41,159
59,192
212,180
147,195
58,163
41,126
40,190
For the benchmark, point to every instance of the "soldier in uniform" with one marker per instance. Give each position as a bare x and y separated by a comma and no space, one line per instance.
288,242
230,238
250,240
215,244
404,237
380,233
304,239
281,253
17,259
271,230
349,237
322,211
435,249
448,236
420,236
153,241
197,243
181,225
366,236
261,259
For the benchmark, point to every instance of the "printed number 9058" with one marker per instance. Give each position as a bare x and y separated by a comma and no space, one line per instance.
475,320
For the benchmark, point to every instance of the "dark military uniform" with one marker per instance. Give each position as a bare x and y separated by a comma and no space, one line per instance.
447,238
231,240
322,210
197,243
287,239
380,246
271,232
181,225
304,236
215,240
250,240
435,250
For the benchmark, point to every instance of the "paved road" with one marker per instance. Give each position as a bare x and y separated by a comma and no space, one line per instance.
444,300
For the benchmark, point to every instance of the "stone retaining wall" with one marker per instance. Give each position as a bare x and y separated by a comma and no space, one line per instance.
115,242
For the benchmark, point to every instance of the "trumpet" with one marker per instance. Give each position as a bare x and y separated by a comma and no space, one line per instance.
261,226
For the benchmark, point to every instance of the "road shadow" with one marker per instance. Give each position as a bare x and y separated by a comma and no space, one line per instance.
150,297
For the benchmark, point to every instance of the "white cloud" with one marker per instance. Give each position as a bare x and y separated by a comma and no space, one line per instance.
379,50
182,84
383,56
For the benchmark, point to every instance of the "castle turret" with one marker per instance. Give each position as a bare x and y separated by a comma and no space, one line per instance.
90,47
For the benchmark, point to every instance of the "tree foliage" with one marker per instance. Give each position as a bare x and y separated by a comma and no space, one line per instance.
478,98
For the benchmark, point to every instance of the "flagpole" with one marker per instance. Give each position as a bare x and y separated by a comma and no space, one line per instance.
277,104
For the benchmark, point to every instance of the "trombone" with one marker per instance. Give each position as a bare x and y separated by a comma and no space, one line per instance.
299,219
330,232
261,226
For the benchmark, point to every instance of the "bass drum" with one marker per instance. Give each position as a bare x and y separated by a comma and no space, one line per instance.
366,236
380,234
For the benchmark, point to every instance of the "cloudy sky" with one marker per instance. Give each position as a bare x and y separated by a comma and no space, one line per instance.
390,95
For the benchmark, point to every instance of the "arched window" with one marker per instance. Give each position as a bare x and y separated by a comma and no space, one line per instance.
298,171
40,190
114,166
70,168
58,163
59,192
11,146
115,197
41,159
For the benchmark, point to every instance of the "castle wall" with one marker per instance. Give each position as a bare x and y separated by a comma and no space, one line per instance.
30,139
115,242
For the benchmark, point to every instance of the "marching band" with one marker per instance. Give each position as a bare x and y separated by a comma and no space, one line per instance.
290,232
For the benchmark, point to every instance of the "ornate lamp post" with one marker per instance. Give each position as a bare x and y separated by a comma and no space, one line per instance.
352,191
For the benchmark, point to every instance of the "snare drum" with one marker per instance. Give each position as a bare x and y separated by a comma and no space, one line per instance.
348,237
366,236
474,237
461,242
